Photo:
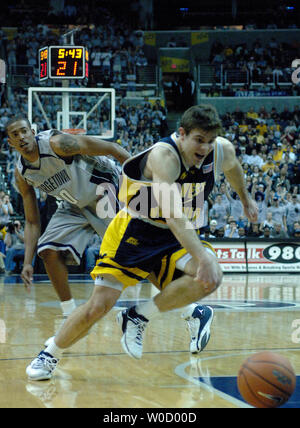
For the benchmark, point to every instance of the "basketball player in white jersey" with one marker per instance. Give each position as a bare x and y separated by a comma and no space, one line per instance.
70,168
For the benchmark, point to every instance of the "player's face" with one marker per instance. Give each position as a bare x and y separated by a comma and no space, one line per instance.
21,137
196,145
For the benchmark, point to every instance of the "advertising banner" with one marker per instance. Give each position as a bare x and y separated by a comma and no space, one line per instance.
260,256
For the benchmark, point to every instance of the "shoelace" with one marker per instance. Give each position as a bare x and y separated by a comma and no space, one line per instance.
44,361
140,330
192,326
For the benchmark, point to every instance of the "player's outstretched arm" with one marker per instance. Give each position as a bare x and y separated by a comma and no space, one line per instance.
32,229
67,145
235,175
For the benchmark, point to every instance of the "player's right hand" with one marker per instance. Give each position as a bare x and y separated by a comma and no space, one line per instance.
27,276
209,273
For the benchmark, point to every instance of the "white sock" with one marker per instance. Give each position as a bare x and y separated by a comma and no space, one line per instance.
147,309
53,349
67,307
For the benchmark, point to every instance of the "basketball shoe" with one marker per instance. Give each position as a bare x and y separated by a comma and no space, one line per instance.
199,319
41,367
133,326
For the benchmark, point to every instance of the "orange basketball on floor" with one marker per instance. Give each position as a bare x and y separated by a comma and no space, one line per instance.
266,380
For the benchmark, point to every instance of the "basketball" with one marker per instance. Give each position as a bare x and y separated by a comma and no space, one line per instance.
266,380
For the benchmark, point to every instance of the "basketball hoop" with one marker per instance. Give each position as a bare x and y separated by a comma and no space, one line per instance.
75,131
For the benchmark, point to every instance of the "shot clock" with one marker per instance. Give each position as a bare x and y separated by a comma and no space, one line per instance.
63,62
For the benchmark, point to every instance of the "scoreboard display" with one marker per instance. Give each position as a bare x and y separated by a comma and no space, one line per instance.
43,63
63,62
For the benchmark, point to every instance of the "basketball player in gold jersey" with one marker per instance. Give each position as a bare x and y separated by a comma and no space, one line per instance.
151,238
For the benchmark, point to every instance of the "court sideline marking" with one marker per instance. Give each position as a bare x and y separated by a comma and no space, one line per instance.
180,371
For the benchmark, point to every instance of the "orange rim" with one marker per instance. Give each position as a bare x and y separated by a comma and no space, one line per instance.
74,131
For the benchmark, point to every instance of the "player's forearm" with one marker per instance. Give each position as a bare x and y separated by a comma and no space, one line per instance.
93,146
119,153
184,232
66,145
32,233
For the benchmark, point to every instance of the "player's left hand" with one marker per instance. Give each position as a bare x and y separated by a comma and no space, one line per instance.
27,276
251,211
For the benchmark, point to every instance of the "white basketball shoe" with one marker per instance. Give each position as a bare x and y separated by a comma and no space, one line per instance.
41,367
133,326
199,319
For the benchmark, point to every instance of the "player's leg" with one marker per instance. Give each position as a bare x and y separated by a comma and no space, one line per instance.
85,316
184,290
134,320
75,327
63,243
198,317
178,293
57,271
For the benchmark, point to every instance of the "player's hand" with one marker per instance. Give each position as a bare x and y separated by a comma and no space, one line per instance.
251,211
27,276
209,272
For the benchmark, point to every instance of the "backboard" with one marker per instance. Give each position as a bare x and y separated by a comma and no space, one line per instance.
92,109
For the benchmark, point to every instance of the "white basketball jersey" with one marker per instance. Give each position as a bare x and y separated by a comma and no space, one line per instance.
74,181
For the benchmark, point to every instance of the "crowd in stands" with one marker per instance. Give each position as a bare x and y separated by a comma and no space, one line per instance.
262,60
115,50
262,66
267,143
268,147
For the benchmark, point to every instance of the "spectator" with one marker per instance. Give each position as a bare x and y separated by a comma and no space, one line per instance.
232,230
96,60
14,241
242,232
92,252
278,231
141,60
244,156
278,153
296,233
278,213
207,234
219,211
220,232
254,231
223,192
281,191
292,214
254,159
289,156
268,222
266,233
213,227
131,79
269,164
6,209
295,191
236,208
251,115
261,198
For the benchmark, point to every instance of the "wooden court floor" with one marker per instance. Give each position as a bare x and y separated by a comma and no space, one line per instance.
252,314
